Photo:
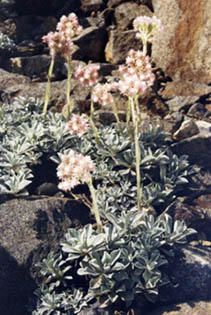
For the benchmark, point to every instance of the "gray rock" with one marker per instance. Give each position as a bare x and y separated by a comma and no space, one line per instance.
179,103
48,189
123,38
94,310
97,20
203,204
190,274
172,122
193,215
13,85
30,228
195,211
204,127
197,110
7,9
108,117
35,66
197,148
40,7
119,44
187,129
26,27
185,88
190,308
195,205
10,79
91,5
28,48
115,3
91,43
126,12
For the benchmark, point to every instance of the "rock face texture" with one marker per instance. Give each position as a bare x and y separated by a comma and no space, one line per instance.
197,147
191,308
183,50
193,272
122,38
29,229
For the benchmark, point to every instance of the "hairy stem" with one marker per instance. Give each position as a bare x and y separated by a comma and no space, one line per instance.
48,87
93,124
69,106
137,151
128,115
114,108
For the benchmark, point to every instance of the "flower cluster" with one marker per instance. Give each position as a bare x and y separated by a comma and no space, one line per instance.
146,27
61,40
135,77
58,43
136,74
101,94
88,74
78,125
74,169
69,25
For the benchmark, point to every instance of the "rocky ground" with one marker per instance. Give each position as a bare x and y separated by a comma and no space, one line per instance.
180,102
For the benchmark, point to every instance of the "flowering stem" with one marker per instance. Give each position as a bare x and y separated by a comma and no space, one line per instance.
95,207
93,124
48,92
128,120
138,152
92,110
117,117
95,131
69,75
144,42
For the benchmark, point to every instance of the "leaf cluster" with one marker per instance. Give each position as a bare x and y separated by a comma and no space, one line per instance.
120,264
6,43
27,139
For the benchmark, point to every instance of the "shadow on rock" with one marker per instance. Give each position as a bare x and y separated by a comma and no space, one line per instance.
16,285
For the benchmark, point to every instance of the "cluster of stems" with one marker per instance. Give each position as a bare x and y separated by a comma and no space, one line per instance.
61,42
135,77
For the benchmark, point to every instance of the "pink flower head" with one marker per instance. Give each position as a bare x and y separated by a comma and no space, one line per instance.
146,27
87,75
58,43
69,25
101,94
74,169
136,75
78,125
61,41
